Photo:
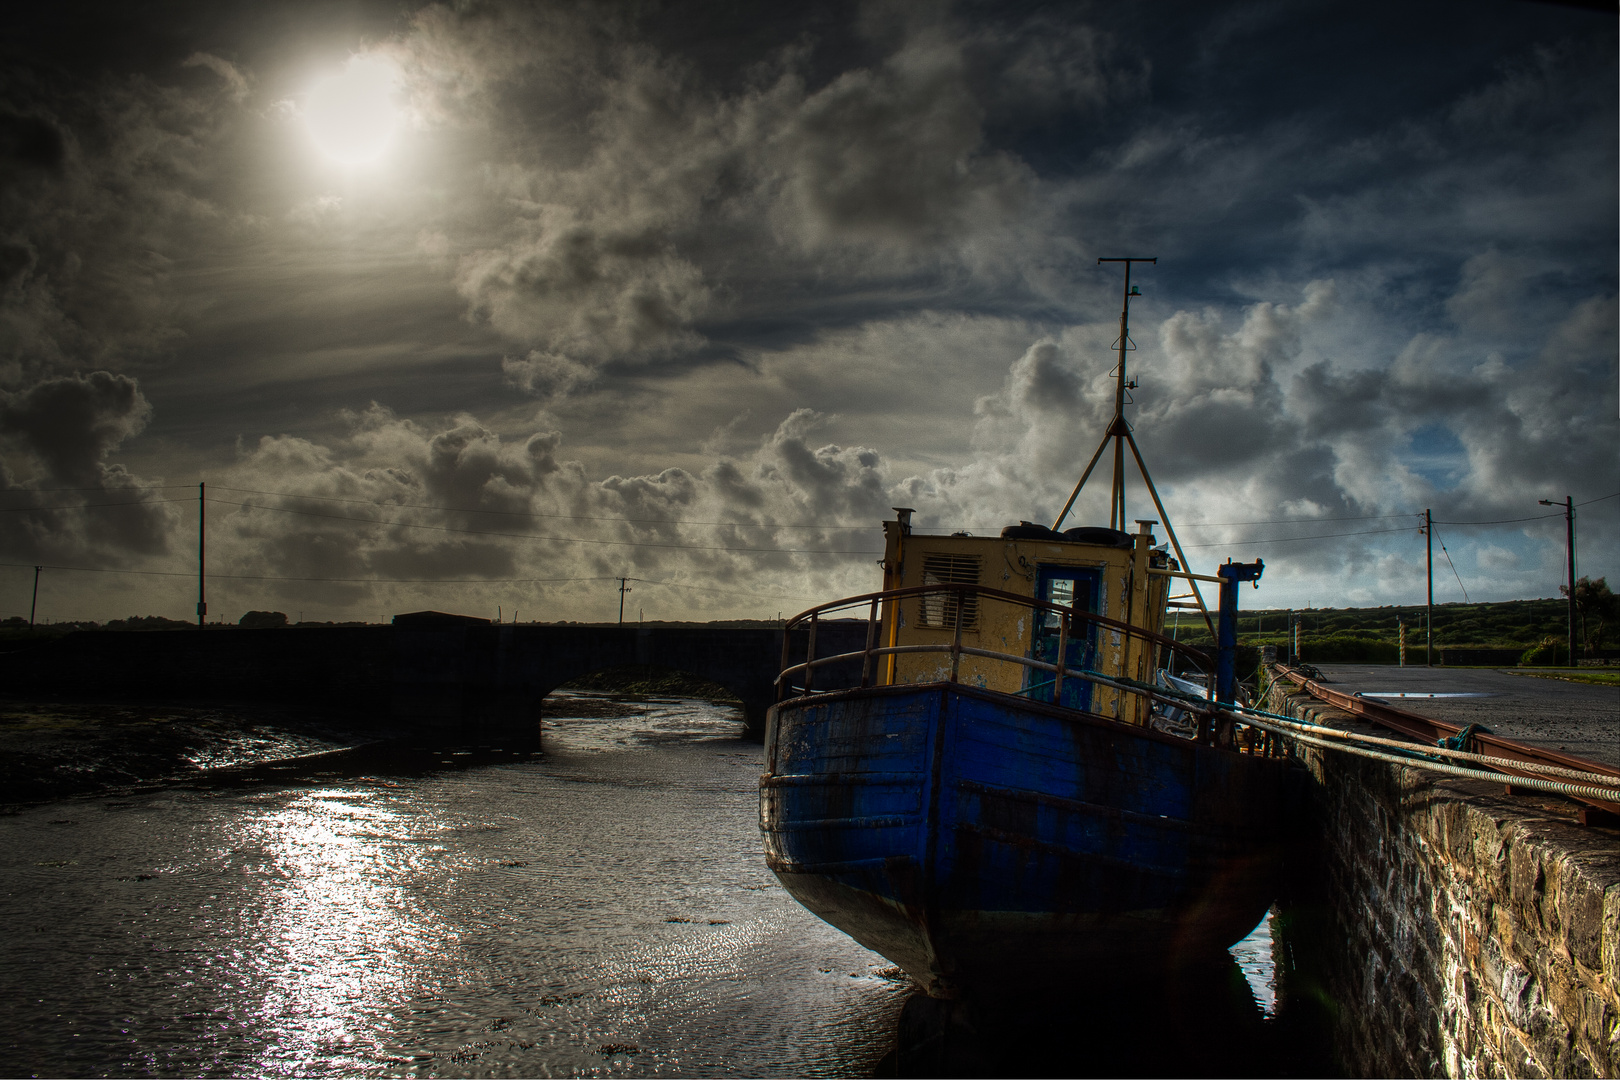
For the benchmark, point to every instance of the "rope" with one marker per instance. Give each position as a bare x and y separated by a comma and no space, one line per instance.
1579,791
1419,752
1405,753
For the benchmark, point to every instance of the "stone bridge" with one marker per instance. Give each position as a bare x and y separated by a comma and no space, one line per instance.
446,678
470,682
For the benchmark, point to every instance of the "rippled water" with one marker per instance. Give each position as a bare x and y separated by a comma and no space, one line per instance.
603,909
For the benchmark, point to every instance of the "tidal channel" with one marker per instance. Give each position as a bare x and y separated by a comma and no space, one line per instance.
601,909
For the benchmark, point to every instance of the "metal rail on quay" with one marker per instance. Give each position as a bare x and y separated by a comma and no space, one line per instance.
1428,730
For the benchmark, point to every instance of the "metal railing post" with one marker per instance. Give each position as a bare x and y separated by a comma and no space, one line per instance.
1068,617
781,678
956,642
1062,654
810,653
871,638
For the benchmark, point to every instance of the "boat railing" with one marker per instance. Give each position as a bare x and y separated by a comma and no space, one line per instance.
1067,618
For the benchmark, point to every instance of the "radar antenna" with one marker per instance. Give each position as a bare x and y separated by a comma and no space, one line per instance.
1120,433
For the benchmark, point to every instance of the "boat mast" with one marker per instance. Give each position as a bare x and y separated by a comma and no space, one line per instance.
1120,433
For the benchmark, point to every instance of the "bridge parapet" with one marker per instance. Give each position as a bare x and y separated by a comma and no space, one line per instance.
449,680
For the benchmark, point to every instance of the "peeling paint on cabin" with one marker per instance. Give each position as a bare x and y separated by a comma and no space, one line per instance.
1013,566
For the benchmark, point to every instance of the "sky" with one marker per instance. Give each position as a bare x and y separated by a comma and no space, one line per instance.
481,307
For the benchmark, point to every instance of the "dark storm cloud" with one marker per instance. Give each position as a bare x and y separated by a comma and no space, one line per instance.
678,204
62,431
71,424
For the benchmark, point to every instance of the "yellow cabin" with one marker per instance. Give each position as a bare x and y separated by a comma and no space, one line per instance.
1105,572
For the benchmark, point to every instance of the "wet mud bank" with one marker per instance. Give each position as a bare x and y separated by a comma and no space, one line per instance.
54,747
1453,929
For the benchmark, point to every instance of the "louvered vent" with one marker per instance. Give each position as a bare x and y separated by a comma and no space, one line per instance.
940,609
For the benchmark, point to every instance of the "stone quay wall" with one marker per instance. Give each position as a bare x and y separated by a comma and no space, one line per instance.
1470,932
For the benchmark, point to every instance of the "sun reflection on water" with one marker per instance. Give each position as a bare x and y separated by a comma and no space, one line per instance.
341,941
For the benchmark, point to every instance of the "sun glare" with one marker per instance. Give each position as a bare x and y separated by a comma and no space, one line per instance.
353,116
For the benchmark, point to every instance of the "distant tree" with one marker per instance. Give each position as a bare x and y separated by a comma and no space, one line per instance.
1595,607
148,622
263,620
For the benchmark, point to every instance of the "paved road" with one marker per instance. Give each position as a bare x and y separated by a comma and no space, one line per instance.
1579,718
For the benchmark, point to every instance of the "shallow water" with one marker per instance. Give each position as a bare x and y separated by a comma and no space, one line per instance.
603,909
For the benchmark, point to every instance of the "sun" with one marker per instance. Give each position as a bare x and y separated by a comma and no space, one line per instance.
353,116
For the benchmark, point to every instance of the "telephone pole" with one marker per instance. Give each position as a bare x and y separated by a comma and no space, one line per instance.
1428,618
623,588
32,608
202,539
1569,540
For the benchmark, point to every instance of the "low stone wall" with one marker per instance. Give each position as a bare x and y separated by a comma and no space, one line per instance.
1469,932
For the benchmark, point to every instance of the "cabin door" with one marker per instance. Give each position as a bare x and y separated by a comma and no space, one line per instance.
1068,586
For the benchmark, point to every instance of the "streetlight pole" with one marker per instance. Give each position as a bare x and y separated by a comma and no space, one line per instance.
1569,540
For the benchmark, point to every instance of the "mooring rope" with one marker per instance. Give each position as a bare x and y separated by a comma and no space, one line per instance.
1594,785
1432,751
1581,791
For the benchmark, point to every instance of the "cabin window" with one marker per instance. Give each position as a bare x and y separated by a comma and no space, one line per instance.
1059,591
940,609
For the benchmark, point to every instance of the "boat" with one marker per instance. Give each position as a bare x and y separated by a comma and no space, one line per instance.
1020,777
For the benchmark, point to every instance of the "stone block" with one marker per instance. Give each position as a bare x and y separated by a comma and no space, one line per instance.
1525,882
1596,1024
1581,907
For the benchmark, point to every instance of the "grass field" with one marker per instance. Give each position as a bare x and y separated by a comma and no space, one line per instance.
1596,678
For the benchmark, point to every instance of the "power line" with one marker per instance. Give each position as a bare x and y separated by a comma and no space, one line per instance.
283,577
89,506
557,517
154,487
1289,539
726,592
402,581
554,539
1294,521
1500,521
1451,564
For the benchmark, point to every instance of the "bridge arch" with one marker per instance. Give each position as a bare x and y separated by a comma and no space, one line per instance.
468,681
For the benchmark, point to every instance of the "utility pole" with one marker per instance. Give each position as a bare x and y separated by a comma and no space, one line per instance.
32,608
1428,619
202,538
623,588
1569,540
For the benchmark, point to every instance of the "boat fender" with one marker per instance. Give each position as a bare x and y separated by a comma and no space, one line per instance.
1028,530
1098,536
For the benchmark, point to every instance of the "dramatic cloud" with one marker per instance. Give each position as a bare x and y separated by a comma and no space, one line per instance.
69,425
696,294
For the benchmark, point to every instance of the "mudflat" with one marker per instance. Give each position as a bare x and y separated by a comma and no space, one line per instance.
50,749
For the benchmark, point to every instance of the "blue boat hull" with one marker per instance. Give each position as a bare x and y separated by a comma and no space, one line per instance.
979,840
